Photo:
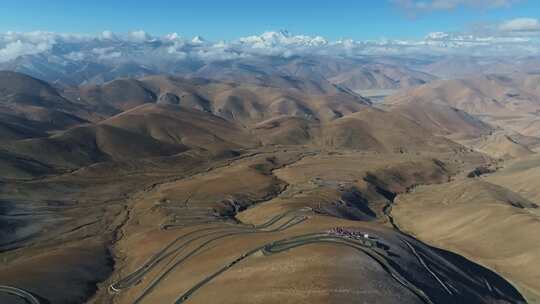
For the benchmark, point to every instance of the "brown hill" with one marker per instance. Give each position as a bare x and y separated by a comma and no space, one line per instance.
85,145
23,88
482,95
520,175
251,104
380,76
179,125
35,101
286,184
503,144
369,129
287,130
244,103
264,74
466,66
13,127
149,130
121,94
443,120
376,130
355,74
479,220
15,166
464,109
315,74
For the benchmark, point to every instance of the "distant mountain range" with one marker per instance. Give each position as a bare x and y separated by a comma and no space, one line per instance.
72,60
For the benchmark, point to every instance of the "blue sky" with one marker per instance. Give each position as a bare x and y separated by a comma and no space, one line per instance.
230,19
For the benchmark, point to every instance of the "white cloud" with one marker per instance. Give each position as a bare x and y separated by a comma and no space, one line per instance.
106,53
437,36
218,54
198,40
110,56
139,36
271,39
16,49
173,37
76,56
177,49
107,35
517,36
14,45
415,6
521,25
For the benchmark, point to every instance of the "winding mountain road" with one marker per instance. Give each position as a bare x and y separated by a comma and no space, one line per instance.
365,245
21,293
176,247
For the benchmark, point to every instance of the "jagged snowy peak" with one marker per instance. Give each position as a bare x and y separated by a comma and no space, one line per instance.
141,46
283,37
198,40
75,58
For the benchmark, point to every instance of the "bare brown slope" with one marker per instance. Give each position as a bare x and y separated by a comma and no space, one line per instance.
251,104
146,131
79,266
376,130
495,114
261,73
486,94
121,94
82,146
369,129
380,76
317,273
28,89
521,175
503,144
479,220
13,127
244,103
287,130
463,65
315,74
444,120
355,74
13,166
179,125
35,100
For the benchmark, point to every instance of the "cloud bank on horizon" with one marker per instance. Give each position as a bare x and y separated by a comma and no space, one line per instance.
519,36
531,25
422,6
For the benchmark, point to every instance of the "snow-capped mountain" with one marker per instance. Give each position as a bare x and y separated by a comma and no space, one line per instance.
75,59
